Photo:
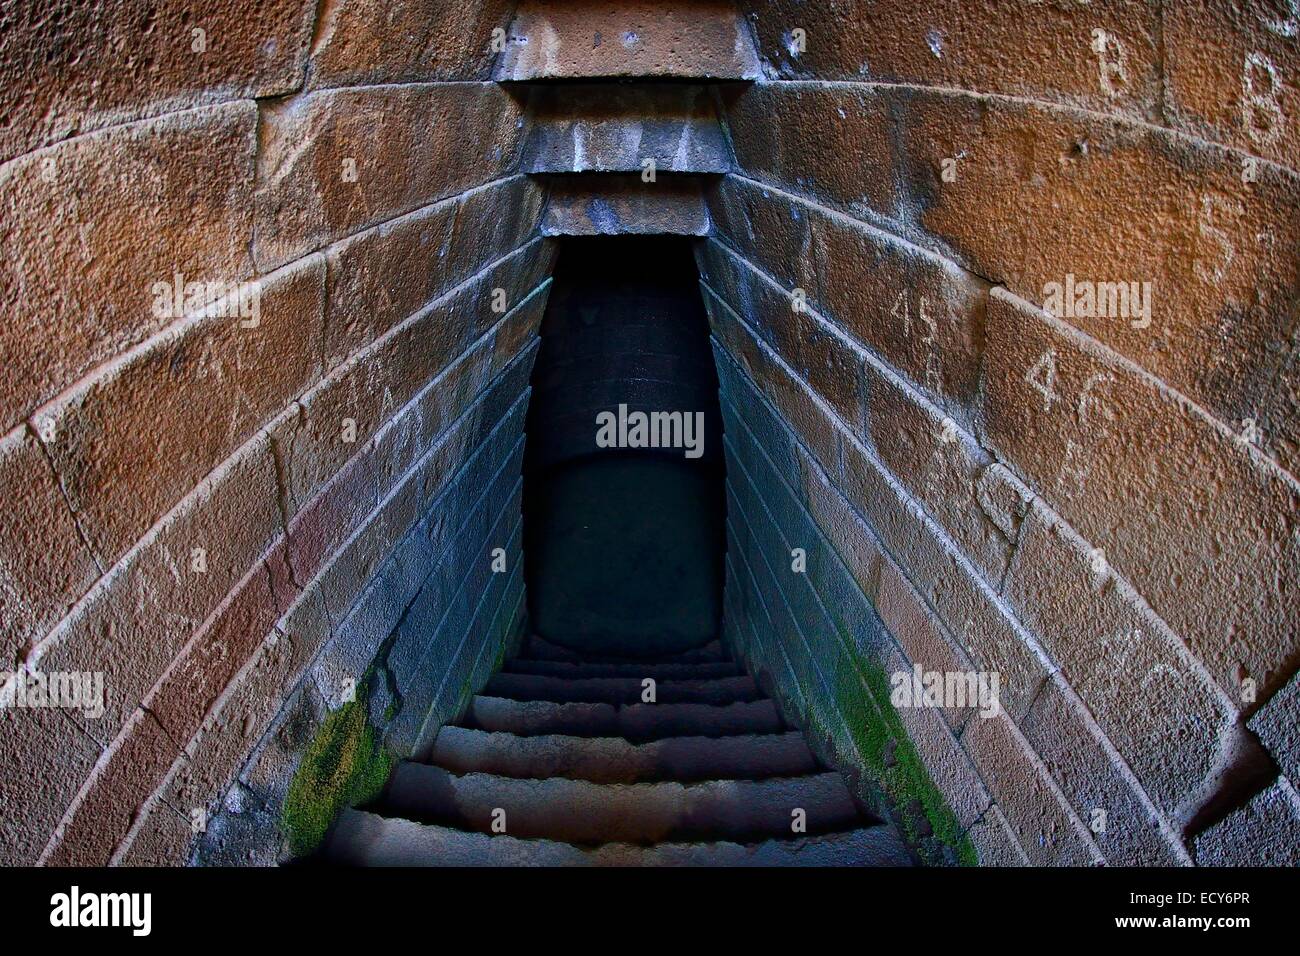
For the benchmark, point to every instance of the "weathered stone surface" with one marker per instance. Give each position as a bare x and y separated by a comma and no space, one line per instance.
491,223
453,512
446,601
239,719
137,617
102,815
946,761
920,635
130,443
389,546
1277,724
1278,425
1230,74
995,844
46,757
1095,781
270,770
1175,505
334,162
829,630
384,275
196,680
780,628
245,833
759,363
57,80
920,312
897,602
835,143
944,469
432,700
1103,55
1045,826
773,234
821,353
343,504
839,622
369,42
387,274
1096,506
339,416
967,602
619,128
90,225
1265,832
161,837
44,564
1157,705
1118,203
344,531
251,709
856,546
588,38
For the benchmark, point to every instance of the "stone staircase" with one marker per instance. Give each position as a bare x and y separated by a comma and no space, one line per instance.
559,762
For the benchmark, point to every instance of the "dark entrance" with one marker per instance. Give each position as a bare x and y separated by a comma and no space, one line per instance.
623,541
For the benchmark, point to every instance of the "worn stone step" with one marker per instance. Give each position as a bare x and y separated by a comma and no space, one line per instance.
538,648
621,690
462,750
577,811
638,722
367,839
660,672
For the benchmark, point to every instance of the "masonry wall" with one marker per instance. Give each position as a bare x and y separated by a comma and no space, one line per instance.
232,517
242,525
1103,511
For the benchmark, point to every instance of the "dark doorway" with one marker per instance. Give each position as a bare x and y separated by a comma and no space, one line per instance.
624,541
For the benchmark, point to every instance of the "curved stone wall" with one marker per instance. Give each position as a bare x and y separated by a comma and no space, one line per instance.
1003,304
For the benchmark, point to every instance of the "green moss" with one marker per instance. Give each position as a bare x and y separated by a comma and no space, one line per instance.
345,765
874,727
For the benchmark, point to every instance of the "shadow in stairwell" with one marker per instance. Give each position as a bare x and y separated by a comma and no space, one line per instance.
624,541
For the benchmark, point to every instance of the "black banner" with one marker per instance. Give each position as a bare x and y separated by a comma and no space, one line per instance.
338,906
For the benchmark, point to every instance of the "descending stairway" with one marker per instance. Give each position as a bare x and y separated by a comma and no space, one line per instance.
586,774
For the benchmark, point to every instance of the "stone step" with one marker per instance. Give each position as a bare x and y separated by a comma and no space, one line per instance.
540,649
461,750
366,839
648,669
621,690
577,811
639,722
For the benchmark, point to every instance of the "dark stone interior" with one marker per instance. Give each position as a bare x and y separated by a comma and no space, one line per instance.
623,547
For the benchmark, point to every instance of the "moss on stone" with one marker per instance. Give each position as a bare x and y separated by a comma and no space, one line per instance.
345,765
873,726
499,660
